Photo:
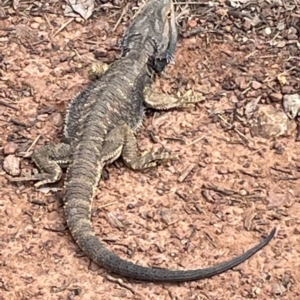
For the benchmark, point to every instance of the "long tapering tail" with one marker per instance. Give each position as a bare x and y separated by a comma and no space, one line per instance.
78,199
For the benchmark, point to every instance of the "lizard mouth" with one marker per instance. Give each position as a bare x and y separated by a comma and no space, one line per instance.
165,51
166,46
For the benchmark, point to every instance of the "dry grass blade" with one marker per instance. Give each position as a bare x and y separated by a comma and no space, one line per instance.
124,11
62,27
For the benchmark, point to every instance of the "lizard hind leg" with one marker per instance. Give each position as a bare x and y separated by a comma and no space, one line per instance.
134,160
48,159
121,141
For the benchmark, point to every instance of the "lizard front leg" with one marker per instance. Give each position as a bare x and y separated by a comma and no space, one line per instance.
48,159
160,101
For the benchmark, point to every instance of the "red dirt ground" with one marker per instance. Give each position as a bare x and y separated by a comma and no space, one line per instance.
169,216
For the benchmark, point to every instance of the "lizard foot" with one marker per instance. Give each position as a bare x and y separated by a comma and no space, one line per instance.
42,178
163,101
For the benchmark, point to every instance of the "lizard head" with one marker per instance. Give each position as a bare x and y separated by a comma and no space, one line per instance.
155,21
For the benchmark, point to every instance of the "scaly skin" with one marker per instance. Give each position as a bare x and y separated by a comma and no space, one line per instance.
100,127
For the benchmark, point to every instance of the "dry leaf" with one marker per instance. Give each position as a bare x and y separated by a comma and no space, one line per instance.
291,105
82,7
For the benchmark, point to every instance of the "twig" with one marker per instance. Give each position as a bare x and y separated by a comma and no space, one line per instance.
17,122
186,172
252,53
214,188
189,3
124,11
107,204
234,129
195,141
4,103
33,144
49,23
121,283
63,27
269,79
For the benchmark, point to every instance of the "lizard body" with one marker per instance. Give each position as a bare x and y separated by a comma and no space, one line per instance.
100,127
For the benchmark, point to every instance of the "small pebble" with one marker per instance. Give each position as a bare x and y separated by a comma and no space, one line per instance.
276,97
34,25
57,119
11,165
240,81
38,20
10,148
243,192
281,44
53,215
192,23
287,89
256,85
268,30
